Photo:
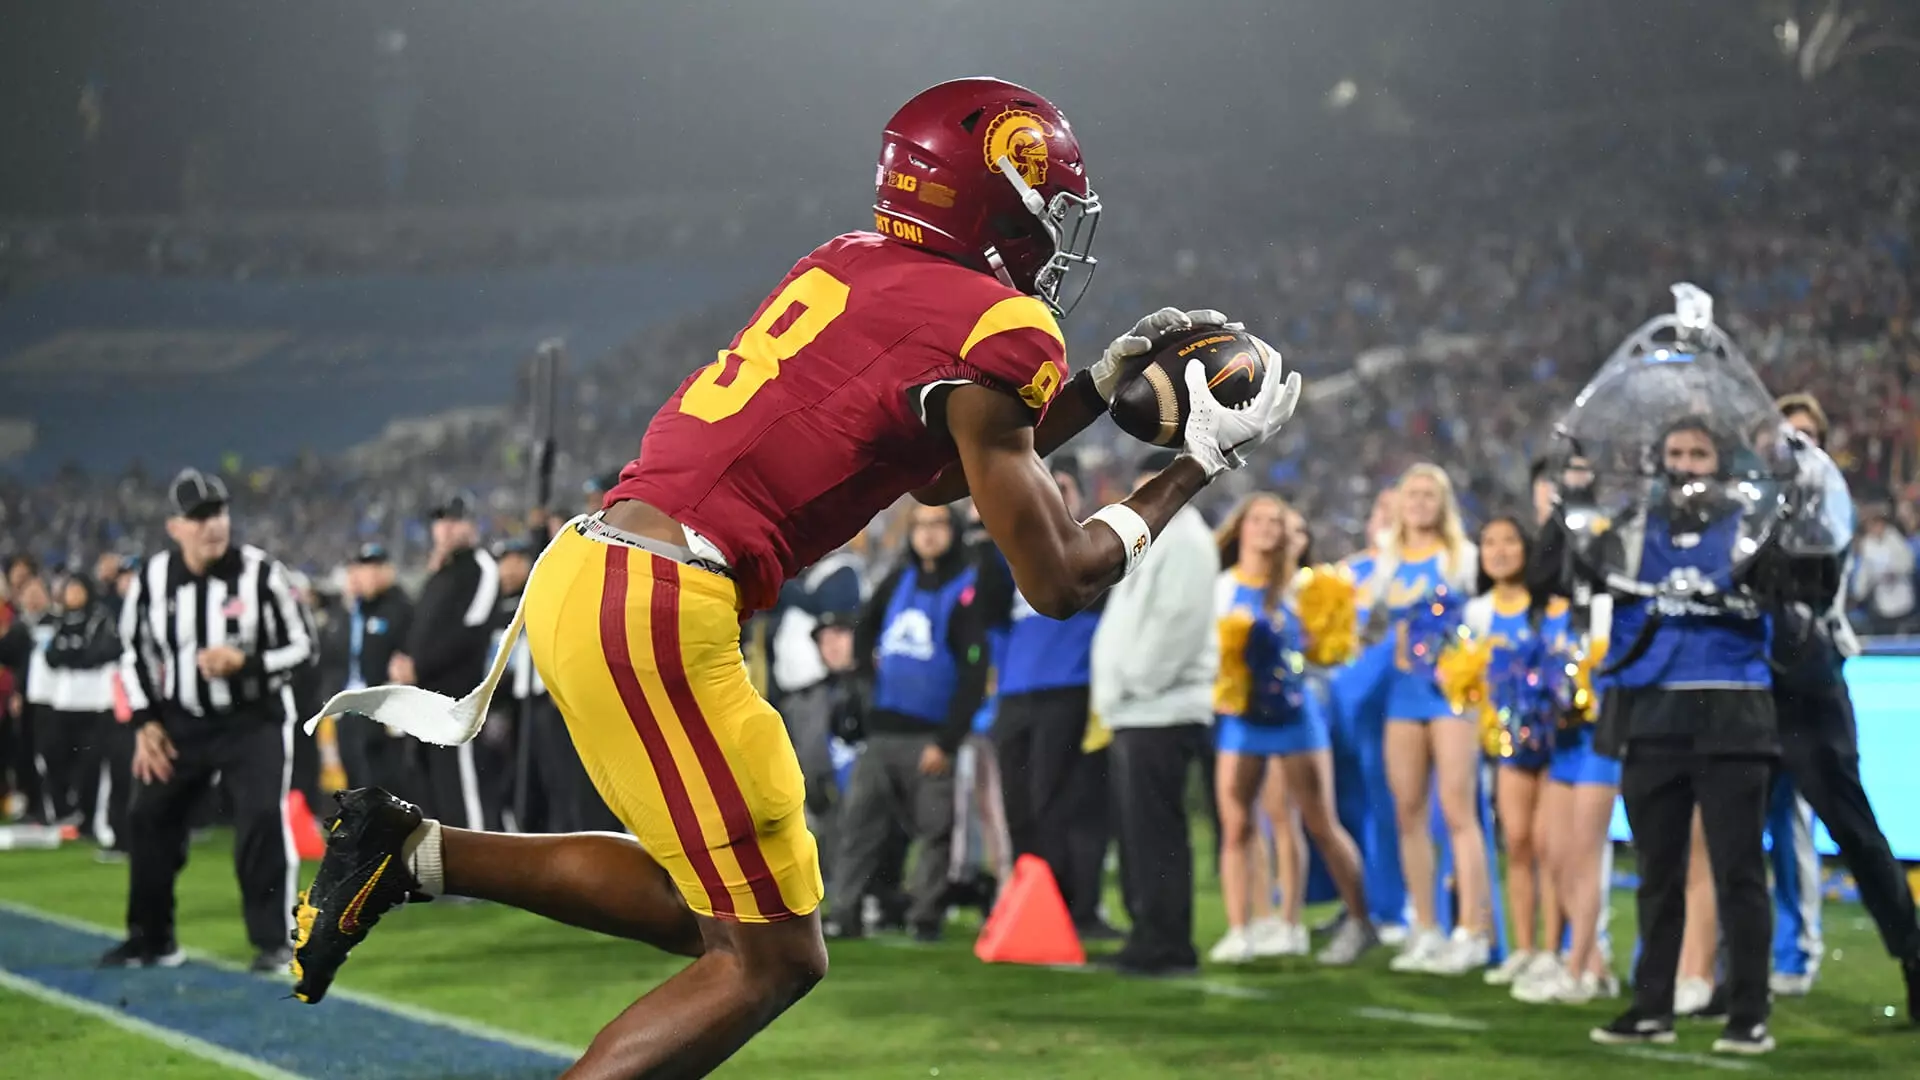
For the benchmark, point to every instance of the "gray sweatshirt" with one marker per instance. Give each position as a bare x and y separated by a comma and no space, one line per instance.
1157,651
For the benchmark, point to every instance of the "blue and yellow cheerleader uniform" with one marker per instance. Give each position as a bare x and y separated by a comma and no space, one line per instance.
1261,699
1412,693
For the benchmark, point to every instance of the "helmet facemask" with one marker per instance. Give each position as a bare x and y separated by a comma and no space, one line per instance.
1069,222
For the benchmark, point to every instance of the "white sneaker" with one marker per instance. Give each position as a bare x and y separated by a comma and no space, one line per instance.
1544,964
1557,988
1393,934
1786,985
1423,945
1600,986
1273,937
1350,941
1510,969
1530,983
1235,948
1464,952
1691,995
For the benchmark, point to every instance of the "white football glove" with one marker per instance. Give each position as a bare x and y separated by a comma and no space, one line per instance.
1137,342
1217,433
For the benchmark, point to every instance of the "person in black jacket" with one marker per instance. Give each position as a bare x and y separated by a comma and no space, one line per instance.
447,652
80,727
377,623
922,643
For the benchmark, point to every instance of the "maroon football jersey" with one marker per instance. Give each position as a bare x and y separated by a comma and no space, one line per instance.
810,424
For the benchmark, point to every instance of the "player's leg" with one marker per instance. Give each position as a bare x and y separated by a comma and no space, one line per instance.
686,1026
604,882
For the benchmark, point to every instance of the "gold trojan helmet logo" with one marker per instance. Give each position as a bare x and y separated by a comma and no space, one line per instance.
1021,137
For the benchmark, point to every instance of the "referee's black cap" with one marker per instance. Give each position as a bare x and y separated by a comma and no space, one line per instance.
456,507
368,554
197,496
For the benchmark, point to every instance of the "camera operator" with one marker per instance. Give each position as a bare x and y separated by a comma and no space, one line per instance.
1820,751
1688,708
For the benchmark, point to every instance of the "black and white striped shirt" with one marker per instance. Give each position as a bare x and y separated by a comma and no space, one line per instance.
170,614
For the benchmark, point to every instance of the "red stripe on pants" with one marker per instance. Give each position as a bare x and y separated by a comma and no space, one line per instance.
614,643
742,836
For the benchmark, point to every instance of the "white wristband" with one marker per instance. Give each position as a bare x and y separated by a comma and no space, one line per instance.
1130,527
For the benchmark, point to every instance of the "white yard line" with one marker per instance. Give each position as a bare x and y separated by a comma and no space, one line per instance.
1442,1021
416,1013
187,1044
1681,1057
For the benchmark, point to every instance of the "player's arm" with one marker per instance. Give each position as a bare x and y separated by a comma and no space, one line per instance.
1077,407
1086,395
1060,565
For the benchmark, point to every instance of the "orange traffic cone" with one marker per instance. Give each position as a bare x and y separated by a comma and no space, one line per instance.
307,839
1030,924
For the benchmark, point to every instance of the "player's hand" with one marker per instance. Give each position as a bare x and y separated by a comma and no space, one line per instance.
153,754
1133,345
1216,433
220,661
934,761
400,669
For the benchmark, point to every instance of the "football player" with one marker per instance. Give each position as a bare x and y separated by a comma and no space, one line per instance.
923,356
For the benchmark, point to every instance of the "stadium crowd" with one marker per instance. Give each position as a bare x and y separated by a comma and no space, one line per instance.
1452,339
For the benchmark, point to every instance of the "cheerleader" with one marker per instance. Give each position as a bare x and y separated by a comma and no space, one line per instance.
1272,727
1426,742
1512,619
1359,697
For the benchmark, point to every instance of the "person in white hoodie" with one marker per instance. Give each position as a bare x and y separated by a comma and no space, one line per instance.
1155,656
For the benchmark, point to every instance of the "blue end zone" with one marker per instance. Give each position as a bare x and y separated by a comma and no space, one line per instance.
255,1016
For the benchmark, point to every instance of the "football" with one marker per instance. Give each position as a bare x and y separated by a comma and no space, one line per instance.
1151,403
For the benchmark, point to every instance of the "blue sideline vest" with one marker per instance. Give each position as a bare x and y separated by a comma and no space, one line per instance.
915,674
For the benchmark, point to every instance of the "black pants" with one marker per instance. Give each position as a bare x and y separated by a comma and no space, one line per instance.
573,804
373,758
66,755
114,741
463,785
17,753
250,755
1089,812
1819,749
1037,739
1150,771
1661,782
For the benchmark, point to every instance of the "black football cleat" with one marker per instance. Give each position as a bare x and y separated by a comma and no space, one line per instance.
362,877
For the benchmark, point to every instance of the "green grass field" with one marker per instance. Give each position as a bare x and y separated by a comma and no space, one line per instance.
898,1010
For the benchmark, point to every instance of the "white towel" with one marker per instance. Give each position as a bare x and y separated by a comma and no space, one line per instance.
431,717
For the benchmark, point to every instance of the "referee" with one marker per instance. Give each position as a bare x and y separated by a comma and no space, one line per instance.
212,634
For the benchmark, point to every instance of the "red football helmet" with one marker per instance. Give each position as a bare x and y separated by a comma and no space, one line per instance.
989,173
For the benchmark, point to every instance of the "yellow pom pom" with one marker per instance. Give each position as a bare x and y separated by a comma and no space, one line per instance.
1461,672
1327,599
1584,701
1233,689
